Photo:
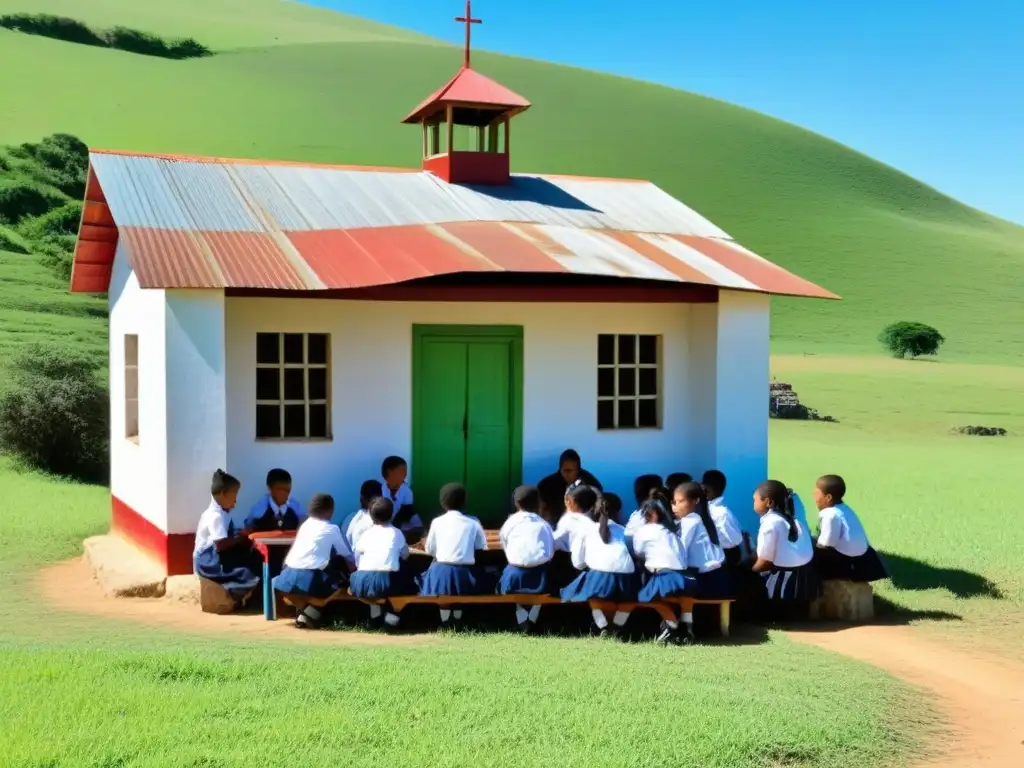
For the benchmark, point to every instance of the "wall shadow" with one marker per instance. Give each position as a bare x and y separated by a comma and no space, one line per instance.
916,575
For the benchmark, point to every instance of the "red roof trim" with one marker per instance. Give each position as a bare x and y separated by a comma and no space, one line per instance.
469,87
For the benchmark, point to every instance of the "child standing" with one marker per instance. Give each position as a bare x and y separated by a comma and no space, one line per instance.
319,561
394,472
843,551
607,570
277,510
730,536
453,540
784,548
362,520
221,554
380,552
529,546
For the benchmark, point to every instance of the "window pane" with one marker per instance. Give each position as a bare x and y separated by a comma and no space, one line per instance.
627,413
293,348
605,382
268,383
268,421
648,416
605,349
605,414
627,350
131,349
266,348
295,421
648,381
649,349
318,421
294,384
317,348
131,383
317,384
627,382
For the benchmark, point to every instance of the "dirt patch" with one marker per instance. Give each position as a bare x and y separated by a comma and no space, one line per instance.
982,696
71,587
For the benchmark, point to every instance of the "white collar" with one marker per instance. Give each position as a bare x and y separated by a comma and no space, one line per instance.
455,512
718,501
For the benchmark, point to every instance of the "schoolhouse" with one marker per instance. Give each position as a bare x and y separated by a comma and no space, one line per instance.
477,322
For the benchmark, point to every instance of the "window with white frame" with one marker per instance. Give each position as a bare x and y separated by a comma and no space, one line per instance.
293,386
628,381
131,386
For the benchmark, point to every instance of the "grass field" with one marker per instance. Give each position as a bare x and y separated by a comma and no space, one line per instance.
299,83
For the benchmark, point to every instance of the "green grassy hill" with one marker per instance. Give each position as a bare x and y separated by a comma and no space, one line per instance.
294,82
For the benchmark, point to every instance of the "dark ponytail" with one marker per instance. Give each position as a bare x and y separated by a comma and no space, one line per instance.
600,516
780,501
695,492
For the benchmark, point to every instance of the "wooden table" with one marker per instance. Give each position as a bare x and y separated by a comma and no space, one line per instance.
263,541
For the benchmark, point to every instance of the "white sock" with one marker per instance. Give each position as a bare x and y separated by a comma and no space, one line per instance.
375,611
534,613
688,618
391,619
458,614
672,624
620,618
521,614
599,618
445,614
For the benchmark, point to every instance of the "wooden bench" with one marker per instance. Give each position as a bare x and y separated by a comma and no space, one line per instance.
667,609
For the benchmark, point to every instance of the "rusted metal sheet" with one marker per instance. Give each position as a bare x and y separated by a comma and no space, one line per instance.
189,223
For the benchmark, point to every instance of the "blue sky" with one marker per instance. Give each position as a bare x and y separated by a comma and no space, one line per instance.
932,87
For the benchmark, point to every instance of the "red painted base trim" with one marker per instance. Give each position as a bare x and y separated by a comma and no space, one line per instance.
172,551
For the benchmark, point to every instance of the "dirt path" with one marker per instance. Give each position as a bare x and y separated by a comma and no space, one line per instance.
981,696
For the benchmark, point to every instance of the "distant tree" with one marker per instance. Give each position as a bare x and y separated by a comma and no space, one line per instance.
908,339
55,417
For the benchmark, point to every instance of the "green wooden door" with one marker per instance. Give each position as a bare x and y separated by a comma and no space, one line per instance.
467,416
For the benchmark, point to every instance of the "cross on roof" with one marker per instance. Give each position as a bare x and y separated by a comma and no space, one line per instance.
469,21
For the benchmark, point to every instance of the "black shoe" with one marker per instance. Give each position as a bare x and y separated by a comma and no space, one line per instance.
668,635
524,627
447,626
389,629
604,633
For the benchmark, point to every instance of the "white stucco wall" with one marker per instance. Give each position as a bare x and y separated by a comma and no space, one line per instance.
371,390
138,470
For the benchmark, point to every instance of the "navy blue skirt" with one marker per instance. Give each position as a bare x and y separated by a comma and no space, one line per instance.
793,584
374,585
238,580
516,580
310,582
667,584
831,564
442,579
601,585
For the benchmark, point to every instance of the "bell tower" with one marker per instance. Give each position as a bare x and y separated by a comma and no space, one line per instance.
484,106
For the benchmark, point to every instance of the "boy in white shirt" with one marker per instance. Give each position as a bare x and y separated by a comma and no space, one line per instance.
361,521
221,554
394,471
730,536
843,551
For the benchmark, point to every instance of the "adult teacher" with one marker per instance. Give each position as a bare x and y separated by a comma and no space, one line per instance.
553,487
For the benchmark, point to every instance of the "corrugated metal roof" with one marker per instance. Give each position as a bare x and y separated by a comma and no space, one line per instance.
189,223
469,87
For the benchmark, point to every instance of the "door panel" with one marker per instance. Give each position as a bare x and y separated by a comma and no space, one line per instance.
489,413
440,387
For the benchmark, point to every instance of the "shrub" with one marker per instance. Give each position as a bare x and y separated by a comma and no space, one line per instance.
121,38
21,197
187,48
62,220
11,241
56,416
47,25
905,339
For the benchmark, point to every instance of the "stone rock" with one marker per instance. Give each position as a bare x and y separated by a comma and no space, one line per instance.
851,601
213,598
121,569
783,403
980,431
183,589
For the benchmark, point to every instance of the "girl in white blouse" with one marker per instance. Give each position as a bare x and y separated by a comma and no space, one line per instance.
529,545
784,549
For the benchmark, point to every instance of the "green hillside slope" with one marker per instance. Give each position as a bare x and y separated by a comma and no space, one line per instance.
299,83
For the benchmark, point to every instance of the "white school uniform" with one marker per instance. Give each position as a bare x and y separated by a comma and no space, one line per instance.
636,520
729,533
260,508
527,540
659,548
454,538
380,548
315,543
701,553
590,551
402,498
213,526
773,542
359,524
842,530
571,526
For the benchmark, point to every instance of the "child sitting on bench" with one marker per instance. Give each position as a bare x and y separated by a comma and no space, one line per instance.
529,545
843,551
221,554
318,563
380,571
